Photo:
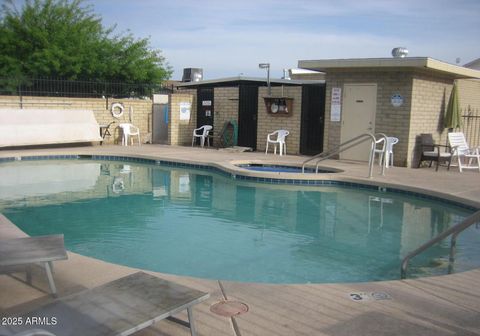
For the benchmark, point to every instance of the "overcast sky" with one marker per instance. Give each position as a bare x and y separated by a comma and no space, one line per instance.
227,38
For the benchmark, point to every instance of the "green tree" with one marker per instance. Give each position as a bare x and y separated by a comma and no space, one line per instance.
66,39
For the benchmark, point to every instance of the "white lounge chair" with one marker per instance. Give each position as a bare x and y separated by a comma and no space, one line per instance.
202,133
129,131
465,155
279,140
25,251
120,307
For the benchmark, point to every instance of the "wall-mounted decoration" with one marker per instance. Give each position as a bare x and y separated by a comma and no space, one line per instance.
279,105
185,108
336,105
396,100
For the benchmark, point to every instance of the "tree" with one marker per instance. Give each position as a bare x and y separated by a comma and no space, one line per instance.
66,39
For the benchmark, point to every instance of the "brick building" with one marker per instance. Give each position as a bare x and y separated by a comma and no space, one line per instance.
401,97
247,100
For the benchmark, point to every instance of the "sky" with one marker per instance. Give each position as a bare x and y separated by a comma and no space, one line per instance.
230,38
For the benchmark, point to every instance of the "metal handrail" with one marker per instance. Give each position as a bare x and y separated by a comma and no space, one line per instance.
454,231
351,143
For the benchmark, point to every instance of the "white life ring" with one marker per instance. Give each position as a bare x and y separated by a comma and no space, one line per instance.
117,113
118,185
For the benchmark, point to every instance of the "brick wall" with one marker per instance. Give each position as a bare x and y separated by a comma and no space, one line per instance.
226,107
180,131
393,121
142,111
430,96
268,122
469,92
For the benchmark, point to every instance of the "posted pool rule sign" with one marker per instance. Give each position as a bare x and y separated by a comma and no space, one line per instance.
336,106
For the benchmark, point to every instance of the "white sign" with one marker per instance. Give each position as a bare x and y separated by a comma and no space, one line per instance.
396,100
185,108
160,99
336,106
206,103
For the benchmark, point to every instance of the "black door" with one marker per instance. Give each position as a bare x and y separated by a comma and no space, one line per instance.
247,116
313,119
205,106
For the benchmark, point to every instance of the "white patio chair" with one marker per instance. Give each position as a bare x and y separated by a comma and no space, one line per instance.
388,152
280,140
202,133
465,155
128,130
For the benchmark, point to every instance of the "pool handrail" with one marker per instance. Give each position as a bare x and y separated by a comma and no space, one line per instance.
454,231
351,143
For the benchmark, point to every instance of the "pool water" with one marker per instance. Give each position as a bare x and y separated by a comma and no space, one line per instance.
204,224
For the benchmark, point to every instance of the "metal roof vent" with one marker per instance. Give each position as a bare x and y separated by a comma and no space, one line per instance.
399,52
192,75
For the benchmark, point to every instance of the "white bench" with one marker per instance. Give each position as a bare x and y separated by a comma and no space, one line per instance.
24,127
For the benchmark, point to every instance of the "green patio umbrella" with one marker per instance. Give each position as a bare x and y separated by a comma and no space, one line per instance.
453,119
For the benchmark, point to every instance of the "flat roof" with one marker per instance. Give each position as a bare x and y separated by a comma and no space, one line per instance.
425,63
250,79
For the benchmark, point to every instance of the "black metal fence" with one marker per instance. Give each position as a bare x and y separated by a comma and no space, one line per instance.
471,126
48,87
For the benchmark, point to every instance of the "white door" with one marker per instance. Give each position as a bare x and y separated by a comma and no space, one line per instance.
358,117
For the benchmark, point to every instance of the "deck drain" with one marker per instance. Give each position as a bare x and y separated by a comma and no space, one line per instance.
229,308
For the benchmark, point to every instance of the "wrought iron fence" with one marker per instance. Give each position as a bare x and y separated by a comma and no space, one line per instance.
48,87
471,125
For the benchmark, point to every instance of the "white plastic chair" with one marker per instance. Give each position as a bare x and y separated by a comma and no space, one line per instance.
128,130
202,133
461,151
280,140
388,152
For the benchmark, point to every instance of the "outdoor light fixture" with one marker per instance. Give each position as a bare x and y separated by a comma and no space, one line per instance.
267,66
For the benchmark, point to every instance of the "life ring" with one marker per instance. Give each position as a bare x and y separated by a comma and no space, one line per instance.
117,113
118,185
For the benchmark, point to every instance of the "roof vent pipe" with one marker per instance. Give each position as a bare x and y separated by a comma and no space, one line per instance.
399,52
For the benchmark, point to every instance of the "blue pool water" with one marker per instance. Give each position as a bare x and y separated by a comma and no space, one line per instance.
206,224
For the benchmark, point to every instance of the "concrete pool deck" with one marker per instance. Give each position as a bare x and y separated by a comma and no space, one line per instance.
443,305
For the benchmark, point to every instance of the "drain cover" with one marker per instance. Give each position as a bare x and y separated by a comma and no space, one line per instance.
229,308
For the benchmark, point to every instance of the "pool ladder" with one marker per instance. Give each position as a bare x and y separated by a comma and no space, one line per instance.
350,144
454,231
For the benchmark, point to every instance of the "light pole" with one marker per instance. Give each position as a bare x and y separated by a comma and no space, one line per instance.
267,66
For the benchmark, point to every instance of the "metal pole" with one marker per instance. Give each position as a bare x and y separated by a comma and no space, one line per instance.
268,81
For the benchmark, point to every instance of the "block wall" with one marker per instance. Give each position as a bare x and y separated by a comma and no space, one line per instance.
469,92
393,121
141,111
430,96
180,131
226,108
268,122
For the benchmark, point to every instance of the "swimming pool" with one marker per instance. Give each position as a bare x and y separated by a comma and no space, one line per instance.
204,223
